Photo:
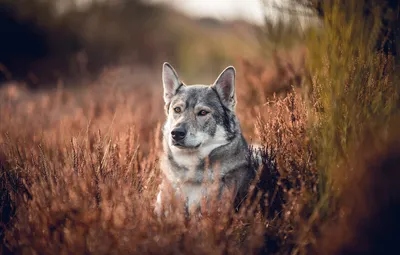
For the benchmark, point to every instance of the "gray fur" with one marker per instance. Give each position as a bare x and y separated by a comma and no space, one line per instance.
213,148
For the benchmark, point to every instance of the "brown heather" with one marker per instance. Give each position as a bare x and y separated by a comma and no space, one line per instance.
80,171
80,174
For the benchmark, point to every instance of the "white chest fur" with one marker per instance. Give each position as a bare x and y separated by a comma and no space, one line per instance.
191,194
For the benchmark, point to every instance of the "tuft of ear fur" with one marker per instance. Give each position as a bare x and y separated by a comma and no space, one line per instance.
171,82
225,87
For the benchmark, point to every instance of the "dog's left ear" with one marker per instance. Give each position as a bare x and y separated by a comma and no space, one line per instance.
225,87
171,82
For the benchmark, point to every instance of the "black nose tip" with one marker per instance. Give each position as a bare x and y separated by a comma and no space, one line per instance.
178,134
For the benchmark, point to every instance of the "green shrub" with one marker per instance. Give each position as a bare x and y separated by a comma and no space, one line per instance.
352,87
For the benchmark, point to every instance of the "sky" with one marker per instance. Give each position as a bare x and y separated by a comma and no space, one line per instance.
250,10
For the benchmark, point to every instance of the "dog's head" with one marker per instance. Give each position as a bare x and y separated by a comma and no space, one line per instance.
199,117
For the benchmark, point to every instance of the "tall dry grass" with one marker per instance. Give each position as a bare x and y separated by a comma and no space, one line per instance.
80,174
352,86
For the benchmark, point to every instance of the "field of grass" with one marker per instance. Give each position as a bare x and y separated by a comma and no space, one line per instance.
80,164
89,160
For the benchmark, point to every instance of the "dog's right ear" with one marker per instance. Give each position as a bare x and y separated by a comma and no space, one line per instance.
171,82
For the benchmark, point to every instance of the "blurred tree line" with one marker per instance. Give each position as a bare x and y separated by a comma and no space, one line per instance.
40,42
46,40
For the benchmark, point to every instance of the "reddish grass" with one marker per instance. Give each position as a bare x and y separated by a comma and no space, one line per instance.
80,172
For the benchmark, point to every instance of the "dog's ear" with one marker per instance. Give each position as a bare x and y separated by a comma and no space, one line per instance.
171,82
225,87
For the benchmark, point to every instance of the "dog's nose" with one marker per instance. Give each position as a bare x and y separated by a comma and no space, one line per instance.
178,133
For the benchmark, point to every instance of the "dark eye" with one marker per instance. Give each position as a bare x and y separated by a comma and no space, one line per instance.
177,110
203,113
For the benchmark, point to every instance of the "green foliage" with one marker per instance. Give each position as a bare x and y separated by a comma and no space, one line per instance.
352,86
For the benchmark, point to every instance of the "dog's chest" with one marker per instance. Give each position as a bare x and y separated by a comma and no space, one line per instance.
193,193
188,161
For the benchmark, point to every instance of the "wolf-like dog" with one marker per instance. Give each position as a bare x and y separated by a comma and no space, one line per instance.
202,140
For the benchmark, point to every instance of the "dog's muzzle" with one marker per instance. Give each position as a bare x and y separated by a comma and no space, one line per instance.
178,134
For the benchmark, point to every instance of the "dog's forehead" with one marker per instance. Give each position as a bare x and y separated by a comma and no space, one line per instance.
196,94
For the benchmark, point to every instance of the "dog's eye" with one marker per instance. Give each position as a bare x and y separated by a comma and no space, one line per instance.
177,110
203,113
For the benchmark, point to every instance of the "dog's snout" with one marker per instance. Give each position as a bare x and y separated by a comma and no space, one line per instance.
178,133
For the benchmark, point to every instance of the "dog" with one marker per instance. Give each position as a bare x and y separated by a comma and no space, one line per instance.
202,141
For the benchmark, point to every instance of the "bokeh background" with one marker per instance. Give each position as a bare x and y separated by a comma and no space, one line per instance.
44,41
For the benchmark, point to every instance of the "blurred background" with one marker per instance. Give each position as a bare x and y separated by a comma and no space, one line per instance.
44,41
47,40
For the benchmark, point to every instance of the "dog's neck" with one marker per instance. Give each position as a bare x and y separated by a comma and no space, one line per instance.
189,166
